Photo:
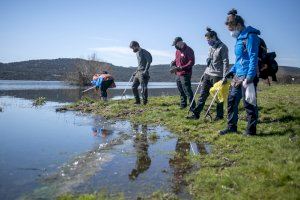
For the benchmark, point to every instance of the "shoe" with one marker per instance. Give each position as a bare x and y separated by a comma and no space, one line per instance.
227,130
137,103
218,118
195,117
145,102
182,107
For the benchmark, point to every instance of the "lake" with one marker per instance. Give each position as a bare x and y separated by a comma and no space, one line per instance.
44,153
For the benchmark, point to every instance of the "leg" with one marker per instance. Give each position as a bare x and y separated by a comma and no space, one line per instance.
183,97
144,85
204,93
135,91
187,88
220,105
252,117
234,98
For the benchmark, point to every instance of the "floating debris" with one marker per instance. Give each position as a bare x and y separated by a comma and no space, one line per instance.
39,101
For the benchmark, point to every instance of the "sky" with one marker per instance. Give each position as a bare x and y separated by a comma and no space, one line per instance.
48,29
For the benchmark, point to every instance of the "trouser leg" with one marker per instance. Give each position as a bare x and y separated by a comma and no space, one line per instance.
144,85
183,97
234,97
135,91
187,88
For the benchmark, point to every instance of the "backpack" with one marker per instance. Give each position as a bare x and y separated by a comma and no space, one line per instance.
267,65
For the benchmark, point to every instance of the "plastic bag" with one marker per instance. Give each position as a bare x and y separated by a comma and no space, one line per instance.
250,94
223,90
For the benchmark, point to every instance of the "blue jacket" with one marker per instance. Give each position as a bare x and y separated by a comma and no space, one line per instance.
246,52
98,82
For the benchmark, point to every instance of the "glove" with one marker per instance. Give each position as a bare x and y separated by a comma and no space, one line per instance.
229,75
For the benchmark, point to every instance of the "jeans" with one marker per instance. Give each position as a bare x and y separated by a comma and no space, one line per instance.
234,97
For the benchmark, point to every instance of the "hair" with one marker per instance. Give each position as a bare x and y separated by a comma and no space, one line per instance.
210,33
233,16
134,44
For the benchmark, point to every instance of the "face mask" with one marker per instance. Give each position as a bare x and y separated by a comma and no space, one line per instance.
211,42
176,47
135,50
235,33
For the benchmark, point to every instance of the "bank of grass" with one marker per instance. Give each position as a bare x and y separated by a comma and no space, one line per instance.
266,166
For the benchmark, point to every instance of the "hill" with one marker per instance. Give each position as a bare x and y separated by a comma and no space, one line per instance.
58,69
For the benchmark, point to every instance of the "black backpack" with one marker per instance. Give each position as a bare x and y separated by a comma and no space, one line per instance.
267,65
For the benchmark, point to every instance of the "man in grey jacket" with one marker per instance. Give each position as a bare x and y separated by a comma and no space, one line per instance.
217,66
141,75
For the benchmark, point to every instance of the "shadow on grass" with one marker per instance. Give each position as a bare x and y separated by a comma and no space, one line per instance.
277,133
283,119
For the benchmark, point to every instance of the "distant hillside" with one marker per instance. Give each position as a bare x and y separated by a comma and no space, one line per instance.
57,69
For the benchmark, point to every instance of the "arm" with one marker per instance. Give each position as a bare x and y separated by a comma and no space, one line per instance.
149,60
225,59
252,49
191,59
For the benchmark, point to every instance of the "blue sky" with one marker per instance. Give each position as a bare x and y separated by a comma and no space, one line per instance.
42,29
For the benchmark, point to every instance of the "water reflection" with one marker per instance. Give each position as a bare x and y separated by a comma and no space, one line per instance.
143,160
180,164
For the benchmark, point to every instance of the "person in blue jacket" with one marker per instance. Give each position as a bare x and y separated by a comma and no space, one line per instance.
245,68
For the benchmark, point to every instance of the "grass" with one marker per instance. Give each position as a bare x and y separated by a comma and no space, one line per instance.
266,166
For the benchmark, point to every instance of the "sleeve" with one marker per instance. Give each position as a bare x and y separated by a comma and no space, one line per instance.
191,59
148,58
99,82
225,59
252,49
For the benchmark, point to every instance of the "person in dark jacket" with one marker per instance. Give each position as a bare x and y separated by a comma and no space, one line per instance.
244,70
217,66
182,66
141,75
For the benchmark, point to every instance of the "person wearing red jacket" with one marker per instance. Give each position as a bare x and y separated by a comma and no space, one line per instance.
182,66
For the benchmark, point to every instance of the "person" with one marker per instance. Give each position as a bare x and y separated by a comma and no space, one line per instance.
217,66
143,160
182,66
244,69
141,75
103,81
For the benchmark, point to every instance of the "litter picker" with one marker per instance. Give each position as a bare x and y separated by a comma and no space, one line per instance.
123,94
88,89
200,83
212,102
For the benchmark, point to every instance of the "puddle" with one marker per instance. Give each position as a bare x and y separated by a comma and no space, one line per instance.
46,154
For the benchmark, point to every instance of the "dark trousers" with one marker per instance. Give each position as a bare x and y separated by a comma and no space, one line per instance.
185,90
208,82
234,97
140,79
104,86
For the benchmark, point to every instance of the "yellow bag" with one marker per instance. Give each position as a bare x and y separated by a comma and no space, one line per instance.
223,90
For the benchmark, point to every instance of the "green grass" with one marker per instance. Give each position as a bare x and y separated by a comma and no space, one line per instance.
260,167
39,101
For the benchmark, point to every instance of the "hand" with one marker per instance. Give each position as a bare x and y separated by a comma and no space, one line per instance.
178,68
224,81
172,64
229,75
134,73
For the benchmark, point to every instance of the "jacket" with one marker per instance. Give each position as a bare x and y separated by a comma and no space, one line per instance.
218,60
185,59
246,52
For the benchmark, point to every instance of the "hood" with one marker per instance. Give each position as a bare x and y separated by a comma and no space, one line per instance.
248,30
